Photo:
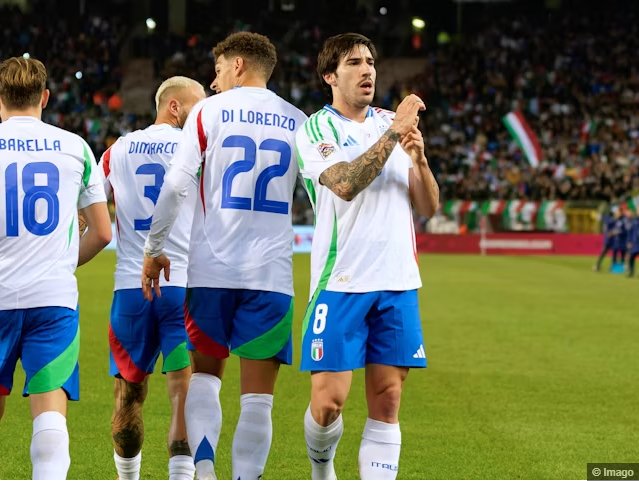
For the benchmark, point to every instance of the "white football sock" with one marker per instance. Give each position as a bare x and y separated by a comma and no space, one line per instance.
50,446
181,467
253,434
203,415
321,444
379,451
128,468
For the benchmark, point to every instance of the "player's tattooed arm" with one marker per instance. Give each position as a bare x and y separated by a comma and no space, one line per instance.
347,179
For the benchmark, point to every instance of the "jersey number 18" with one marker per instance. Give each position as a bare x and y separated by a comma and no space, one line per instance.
32,193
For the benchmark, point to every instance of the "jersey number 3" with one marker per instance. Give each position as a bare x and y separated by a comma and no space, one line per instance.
260,202
32,194
150,191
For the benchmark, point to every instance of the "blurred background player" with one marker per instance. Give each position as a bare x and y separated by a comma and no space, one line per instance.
46,175
240,280
362,167
633,244
609,233
134,169
620,242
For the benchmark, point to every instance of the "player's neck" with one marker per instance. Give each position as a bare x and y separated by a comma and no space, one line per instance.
27,112
166,119
248,80
357,114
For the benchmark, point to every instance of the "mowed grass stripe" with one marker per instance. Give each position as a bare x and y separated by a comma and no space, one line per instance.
532,373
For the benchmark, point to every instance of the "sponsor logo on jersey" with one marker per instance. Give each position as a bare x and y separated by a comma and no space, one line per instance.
325,149
317,349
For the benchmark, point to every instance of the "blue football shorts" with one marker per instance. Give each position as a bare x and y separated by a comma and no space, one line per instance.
251,324
140,329
344,331
47,340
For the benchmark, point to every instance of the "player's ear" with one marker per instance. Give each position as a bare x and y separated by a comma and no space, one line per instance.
174,107
45,98
239,66
330,79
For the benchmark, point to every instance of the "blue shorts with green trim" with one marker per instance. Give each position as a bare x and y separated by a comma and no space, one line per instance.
345,331
47,340
139,330
251,324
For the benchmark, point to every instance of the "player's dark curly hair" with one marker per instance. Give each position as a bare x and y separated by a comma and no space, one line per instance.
254,48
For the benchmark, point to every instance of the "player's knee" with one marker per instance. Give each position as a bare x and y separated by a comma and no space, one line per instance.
327,409
130,395
178,383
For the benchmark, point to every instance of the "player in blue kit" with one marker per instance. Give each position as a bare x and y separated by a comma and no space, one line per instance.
633,243
46,175
620,241
133,170
364,168
609,234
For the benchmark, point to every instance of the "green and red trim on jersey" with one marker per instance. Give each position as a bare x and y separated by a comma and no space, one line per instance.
201,135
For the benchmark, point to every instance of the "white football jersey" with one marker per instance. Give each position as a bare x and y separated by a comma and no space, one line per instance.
134,169
46,175
367,244
242,142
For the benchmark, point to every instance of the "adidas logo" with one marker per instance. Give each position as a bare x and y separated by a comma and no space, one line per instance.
420,354
350,141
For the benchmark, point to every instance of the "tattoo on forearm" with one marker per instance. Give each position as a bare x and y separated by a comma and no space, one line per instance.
347,179
127,426
179,447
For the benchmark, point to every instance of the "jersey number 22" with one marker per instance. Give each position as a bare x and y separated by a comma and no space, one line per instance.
260,202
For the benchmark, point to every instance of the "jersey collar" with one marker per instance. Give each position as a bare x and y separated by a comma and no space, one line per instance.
334,111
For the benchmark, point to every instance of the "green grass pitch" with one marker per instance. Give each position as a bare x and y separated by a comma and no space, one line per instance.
533,370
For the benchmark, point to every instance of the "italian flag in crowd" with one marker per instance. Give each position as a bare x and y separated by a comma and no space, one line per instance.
524,136
632,204
587,129
457,209
541,214
546,213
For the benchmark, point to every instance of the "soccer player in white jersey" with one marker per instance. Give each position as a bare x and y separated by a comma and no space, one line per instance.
363,167
46,175
134,169
240,285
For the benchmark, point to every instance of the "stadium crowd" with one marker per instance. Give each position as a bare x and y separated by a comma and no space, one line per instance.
580,97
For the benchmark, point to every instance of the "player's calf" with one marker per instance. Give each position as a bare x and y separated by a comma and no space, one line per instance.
127,427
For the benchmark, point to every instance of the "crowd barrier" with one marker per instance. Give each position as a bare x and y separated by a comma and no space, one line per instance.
511,244
515,243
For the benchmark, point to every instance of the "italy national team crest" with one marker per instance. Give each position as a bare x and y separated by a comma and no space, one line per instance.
326,149
317,349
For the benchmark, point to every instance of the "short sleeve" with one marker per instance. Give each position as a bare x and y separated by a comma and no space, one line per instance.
317,146
92,189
